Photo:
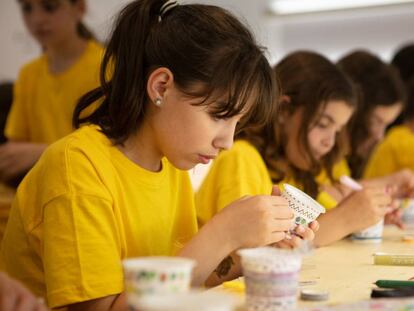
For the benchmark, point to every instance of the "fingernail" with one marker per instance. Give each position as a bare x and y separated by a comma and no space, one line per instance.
300,229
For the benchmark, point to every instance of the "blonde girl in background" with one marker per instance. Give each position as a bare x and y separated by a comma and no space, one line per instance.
117,187
48,88
301,145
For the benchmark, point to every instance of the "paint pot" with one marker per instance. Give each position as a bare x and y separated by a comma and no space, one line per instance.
189,301
371,234
156,276
271,278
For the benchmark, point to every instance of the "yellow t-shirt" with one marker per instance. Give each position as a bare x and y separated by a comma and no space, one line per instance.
396,152
341,168
235,173
43,103
82,209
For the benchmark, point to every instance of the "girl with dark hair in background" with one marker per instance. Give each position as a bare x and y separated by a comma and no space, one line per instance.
395,153
381,99
301,145
48,88
116,188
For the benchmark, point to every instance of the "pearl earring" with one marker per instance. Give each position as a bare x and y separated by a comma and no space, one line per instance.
158,102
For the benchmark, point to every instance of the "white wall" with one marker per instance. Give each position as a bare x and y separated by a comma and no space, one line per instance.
380,30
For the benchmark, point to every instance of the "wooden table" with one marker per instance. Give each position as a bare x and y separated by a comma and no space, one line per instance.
346,270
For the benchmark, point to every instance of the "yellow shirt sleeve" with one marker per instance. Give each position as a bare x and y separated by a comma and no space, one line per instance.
381,163
235,173
389,155
17,125
81,249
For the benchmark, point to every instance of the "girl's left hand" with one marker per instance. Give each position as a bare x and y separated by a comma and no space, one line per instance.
394,218
404,182
301,234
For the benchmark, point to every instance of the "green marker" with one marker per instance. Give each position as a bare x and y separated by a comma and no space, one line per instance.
394,283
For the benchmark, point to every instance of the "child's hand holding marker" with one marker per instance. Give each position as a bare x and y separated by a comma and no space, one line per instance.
371,204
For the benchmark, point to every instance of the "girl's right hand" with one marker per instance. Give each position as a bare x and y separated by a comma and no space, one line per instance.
14,296
258,220
368,206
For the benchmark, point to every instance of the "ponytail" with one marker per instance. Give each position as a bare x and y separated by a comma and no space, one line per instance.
198,44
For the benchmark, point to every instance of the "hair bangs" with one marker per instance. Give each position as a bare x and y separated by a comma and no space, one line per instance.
249,89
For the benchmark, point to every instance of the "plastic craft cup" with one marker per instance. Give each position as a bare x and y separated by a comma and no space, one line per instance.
371,234
271,277
189,301
148,276
304,207
407,206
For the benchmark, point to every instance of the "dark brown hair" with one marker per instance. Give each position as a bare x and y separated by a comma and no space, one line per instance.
200,44
310,81
83,31
378,84
403,60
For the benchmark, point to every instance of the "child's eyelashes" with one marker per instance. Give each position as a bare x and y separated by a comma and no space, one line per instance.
218,118
322,125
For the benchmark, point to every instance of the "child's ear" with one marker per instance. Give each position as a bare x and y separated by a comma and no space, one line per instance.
284,108
158,82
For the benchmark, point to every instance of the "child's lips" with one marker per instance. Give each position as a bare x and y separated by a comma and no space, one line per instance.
205,159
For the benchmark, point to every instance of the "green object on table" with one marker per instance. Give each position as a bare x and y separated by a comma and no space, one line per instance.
394,283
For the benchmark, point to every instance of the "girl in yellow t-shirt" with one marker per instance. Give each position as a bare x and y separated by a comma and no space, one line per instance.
381,97
381,101
396,151
117,187
304,140
48,88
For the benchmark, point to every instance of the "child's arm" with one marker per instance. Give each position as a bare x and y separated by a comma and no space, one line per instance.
358,211
402,180
14,296
247,222
108,303
17,158
230,267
